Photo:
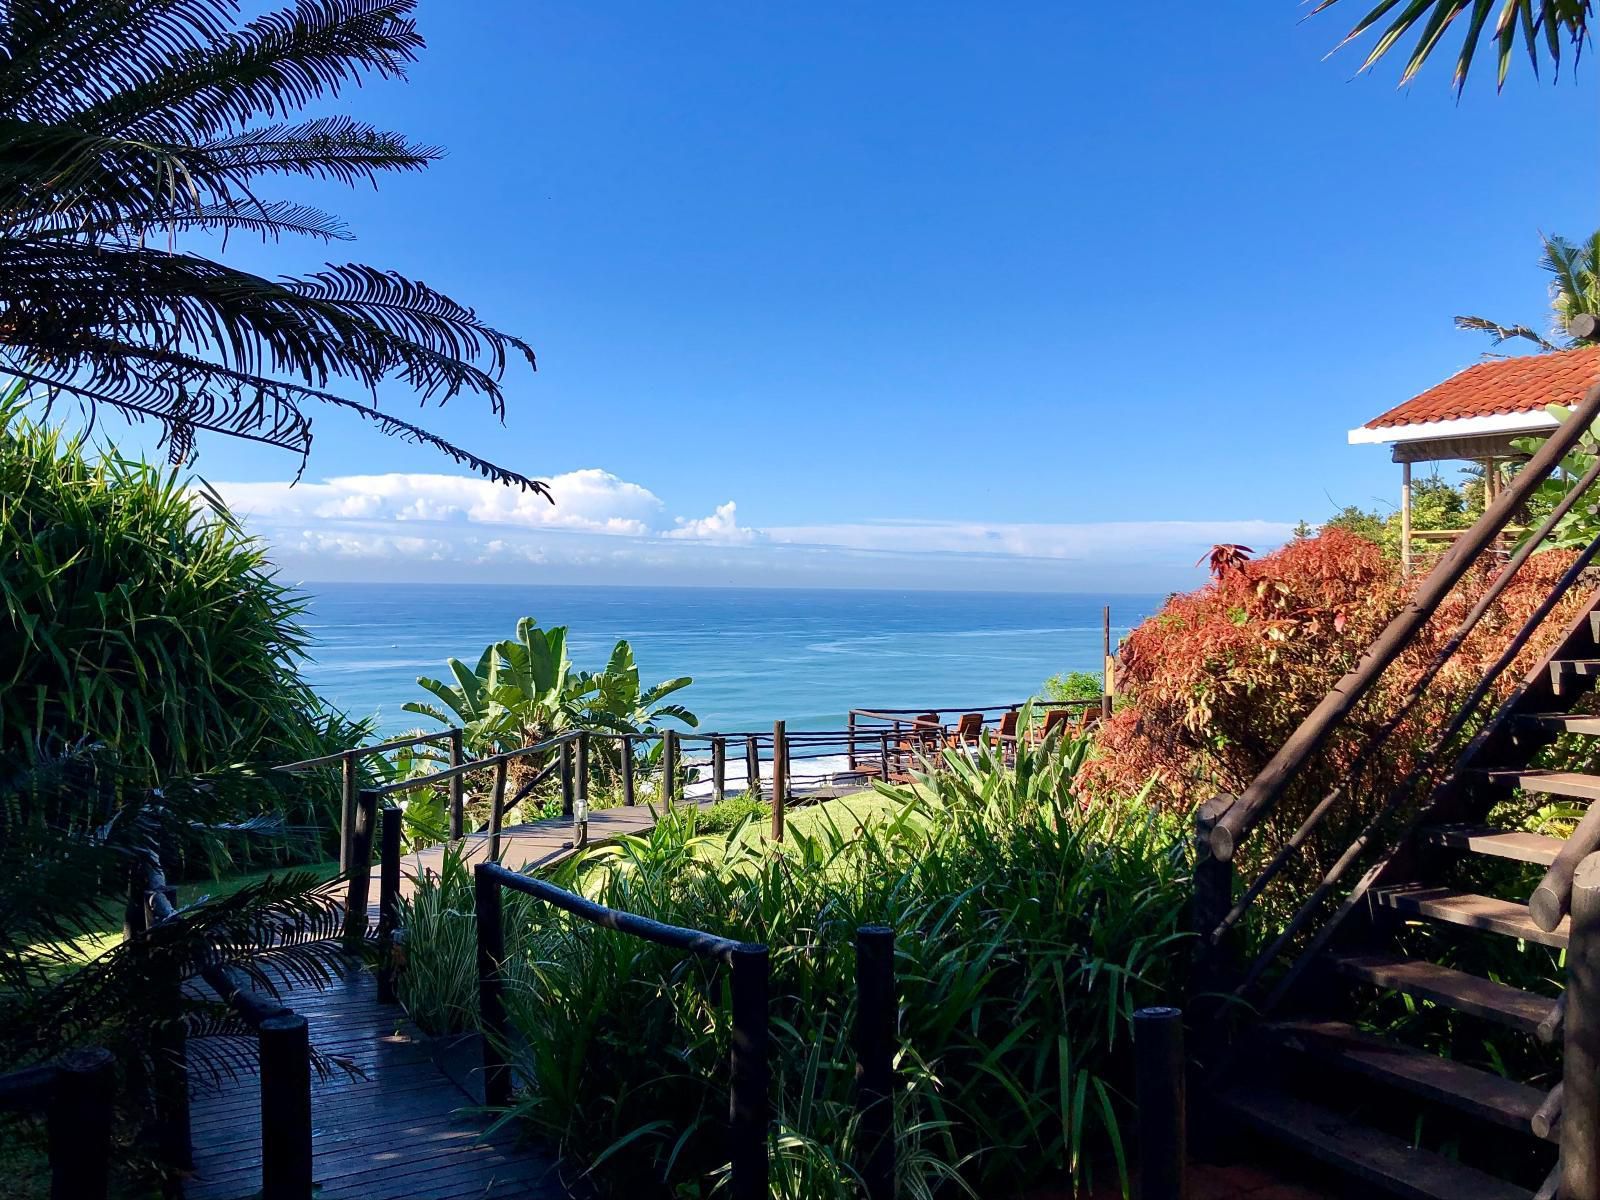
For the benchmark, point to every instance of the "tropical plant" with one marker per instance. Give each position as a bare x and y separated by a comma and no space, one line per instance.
1574,268
126,125
1074,685
138,615
1436,503
1029,927
1581,525
1214,683
1540,25
74,830
523,690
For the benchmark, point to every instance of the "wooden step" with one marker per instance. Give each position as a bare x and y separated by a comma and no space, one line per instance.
1509,1006
1562,722
1562,669
1440,1080
1499,843
1374,1158
1549,783
1472,911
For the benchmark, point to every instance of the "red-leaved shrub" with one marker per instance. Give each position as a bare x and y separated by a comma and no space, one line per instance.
1215,682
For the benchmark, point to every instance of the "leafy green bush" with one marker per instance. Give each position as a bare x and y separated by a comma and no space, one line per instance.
139,616
1029,928
1073,685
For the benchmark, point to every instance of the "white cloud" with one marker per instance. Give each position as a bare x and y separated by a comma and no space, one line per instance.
721,526
606,529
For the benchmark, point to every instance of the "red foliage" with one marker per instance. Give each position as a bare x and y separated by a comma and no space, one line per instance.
1213,684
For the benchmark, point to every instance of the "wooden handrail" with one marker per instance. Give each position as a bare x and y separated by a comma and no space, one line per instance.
1268,785
356,752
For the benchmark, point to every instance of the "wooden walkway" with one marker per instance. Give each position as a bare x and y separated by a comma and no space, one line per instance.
407,1131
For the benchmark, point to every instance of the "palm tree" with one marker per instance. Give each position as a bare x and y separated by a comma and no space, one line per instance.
1574,289
126,124
1540,25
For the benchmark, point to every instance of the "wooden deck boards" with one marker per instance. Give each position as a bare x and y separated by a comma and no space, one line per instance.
405,1130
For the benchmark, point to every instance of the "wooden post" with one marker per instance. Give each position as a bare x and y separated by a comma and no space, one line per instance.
780,777
748,1103
877,1007
1405,519
669,766
388,901
1580,1066
348,785
170,1052
580,807
628,794
497,804
458,797
752,767
883,754
1158,1076
719,768
583,767
850,730
79,1123
1213,898
285,1108
360,870
568,791
1105,662
491,1002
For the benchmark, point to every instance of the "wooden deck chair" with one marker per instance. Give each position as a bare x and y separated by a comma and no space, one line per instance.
1055,717
1088,718
969,732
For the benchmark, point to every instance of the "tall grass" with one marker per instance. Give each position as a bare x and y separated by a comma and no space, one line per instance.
1028,926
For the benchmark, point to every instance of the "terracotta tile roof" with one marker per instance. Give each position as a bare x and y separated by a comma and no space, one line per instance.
1502,385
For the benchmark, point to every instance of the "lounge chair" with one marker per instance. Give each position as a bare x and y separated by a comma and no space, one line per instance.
1055,717
969,732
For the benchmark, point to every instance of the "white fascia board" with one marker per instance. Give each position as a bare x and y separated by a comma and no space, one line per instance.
1522,422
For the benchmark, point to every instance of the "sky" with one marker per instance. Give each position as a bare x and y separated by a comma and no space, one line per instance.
932,295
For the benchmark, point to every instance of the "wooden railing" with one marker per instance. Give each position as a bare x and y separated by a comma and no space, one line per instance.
75,1094
749,1076
283,1048
1224,823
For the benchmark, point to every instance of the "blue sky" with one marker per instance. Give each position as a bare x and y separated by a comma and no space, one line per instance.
934,295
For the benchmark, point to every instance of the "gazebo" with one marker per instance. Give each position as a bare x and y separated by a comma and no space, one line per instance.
1474,415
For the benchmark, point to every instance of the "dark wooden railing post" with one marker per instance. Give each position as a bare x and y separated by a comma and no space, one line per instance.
628,794
458,799
719,768
491,954
780,777
79,1122
1105,662
883,755
1580,1067
497,806
748,1102
388,901
568,791
1159,1089
669,766
170,1055
360,871
285,1049
877,1007
1213,898
850,730
752,767
580,807
349,783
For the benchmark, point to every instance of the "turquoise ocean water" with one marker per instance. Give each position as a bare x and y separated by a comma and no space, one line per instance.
756,655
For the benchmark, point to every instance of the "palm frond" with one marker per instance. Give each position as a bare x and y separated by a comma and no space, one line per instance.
1504,333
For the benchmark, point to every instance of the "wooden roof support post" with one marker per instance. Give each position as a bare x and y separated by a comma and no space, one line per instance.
1405,519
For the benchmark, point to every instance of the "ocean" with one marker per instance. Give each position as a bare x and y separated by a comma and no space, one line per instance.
756,655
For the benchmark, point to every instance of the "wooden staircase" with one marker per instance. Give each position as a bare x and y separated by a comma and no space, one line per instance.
1512,1112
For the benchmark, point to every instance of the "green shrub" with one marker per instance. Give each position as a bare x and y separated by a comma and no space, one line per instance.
1073,685
140,617
1029,928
